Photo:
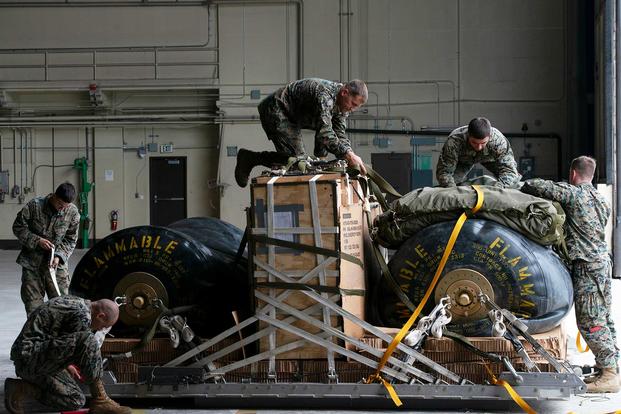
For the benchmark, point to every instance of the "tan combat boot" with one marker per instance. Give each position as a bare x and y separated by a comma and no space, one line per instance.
608,381
102,404
19,397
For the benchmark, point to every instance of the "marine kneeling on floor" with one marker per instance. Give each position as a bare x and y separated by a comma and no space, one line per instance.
56,346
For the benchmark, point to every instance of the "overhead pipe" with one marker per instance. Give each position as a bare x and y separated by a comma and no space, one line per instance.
74,3
155,117
104,124
401,118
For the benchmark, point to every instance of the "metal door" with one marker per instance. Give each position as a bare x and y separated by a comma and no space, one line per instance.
168,187
396,168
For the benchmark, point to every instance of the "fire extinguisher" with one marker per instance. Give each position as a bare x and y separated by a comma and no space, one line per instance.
114,219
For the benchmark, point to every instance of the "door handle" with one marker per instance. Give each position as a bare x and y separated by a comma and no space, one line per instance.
156,198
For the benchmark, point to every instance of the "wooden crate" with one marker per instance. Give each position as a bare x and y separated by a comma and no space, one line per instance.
296,208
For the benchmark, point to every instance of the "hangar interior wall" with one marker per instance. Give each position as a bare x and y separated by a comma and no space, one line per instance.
192,75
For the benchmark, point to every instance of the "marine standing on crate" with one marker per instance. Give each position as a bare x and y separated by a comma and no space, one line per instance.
477,143
57,345
46,223
316,104
591,269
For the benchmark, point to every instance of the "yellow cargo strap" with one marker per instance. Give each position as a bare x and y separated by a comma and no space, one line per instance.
579,344
512,393
403,331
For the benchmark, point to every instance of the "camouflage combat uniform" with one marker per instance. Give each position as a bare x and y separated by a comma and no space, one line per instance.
587,215
37,220
58,334
305,104
458,157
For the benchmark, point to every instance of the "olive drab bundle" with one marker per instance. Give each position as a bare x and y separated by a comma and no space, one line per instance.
536,218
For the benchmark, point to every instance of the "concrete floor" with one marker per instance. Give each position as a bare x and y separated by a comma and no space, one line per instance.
13,317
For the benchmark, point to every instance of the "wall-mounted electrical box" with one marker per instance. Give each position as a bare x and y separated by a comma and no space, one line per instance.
382,142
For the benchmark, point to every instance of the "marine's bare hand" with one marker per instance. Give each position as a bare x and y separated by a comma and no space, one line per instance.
46,244
355,161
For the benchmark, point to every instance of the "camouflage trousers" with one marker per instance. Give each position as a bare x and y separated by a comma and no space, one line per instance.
37,283
284,134
593,299
44,366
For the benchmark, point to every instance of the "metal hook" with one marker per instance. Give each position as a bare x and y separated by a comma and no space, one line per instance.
120,300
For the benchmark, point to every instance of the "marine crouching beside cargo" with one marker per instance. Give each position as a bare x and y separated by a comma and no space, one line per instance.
57,348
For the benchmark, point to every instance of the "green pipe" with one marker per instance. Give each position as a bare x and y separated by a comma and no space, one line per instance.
81,164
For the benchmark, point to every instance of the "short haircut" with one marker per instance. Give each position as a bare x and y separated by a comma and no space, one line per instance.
479,128
358,87
66,192
584,166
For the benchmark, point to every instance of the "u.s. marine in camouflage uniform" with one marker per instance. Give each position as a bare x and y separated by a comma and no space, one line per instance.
316,104
43,223
56,344
477,143
591,269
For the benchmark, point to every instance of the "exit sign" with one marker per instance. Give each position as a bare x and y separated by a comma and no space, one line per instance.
166,148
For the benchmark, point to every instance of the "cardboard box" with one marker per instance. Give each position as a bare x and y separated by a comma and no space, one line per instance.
295,209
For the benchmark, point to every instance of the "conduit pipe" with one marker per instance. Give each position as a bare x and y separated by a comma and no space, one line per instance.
155,117
74,3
